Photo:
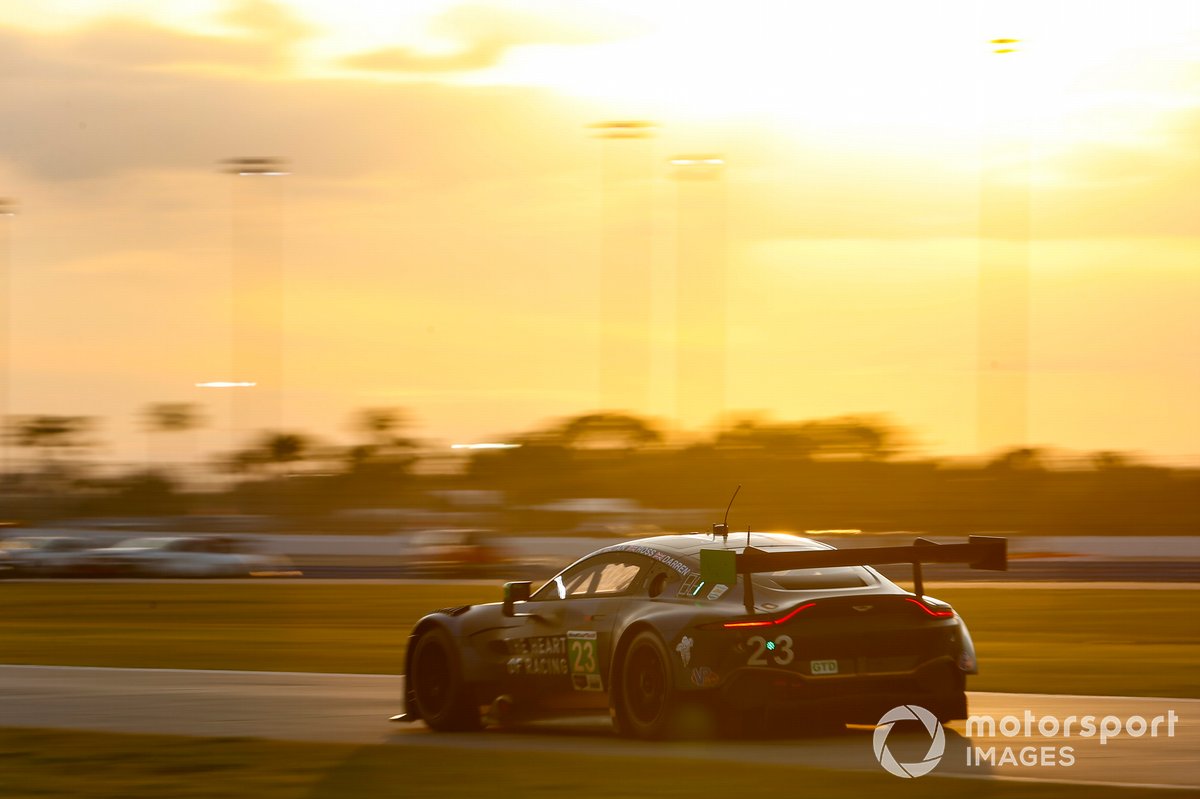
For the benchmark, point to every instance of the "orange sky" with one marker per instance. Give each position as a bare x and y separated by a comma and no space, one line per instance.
442,225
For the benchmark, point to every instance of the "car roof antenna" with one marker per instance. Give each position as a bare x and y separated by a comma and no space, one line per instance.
723,527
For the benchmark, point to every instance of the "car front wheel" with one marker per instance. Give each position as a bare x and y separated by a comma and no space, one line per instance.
443,697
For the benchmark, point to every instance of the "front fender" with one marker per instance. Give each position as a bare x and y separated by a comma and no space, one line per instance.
422,626
463,625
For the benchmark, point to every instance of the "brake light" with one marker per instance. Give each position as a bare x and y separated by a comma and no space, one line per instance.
768,622
937,613
783,619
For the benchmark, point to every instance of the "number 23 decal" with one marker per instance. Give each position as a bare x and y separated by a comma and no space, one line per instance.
780,649
583,655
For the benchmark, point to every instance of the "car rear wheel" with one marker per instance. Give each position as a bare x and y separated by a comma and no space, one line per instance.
646,696
442,696
948,697
950,707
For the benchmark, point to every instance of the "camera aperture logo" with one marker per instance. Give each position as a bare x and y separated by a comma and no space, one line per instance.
937,742
985,745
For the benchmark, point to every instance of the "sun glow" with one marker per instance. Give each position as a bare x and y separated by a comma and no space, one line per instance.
449,195
870,70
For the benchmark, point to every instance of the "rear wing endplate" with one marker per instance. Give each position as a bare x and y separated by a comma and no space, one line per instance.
724,565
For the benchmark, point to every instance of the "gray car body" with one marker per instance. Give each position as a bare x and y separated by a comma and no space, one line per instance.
538,659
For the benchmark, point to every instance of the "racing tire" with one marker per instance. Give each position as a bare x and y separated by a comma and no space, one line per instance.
443,698
949,697
950,707
646,698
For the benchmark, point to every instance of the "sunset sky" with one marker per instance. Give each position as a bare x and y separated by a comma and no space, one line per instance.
442,224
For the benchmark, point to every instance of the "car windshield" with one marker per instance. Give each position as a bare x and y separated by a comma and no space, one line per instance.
817,579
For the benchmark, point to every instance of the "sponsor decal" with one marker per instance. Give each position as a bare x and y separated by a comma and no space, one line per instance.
539,656
704,677
718,591
689,586
661,557
684,648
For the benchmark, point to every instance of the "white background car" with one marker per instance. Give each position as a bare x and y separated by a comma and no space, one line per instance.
184,556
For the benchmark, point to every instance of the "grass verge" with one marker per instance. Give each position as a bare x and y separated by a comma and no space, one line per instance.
271,626
1083,641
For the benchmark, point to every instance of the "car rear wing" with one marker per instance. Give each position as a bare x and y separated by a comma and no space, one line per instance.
724,565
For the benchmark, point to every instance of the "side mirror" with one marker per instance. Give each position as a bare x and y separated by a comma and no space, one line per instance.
513,593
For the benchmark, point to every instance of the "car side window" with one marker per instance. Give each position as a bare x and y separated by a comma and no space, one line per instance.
610,574
581,584
615,578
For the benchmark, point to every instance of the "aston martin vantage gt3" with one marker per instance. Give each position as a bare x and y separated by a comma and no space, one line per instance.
751,628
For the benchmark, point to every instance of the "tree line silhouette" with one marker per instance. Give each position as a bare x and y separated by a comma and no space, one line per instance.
849,472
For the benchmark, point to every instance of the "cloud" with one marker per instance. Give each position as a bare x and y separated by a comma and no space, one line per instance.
96,111
479,55
118,100
260,38
135,44
268,21
485,34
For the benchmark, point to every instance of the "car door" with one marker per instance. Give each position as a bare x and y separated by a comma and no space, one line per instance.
566,646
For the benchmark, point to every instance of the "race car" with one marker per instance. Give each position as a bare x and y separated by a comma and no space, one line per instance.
751,628
183,557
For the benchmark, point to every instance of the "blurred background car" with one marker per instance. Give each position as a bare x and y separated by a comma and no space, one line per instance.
456,553
46,556
186,556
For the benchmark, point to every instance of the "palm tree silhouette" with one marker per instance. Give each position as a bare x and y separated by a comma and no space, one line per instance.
161,418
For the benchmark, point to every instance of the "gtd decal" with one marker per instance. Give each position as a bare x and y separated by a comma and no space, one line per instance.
937,743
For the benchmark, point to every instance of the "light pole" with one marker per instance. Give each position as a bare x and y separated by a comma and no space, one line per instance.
256,293
1004,229
626,262
701,278
8,210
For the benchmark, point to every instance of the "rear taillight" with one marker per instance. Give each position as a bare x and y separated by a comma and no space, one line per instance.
787,616
939,612
730,625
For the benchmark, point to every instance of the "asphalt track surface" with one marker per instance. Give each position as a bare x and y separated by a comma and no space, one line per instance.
353,708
